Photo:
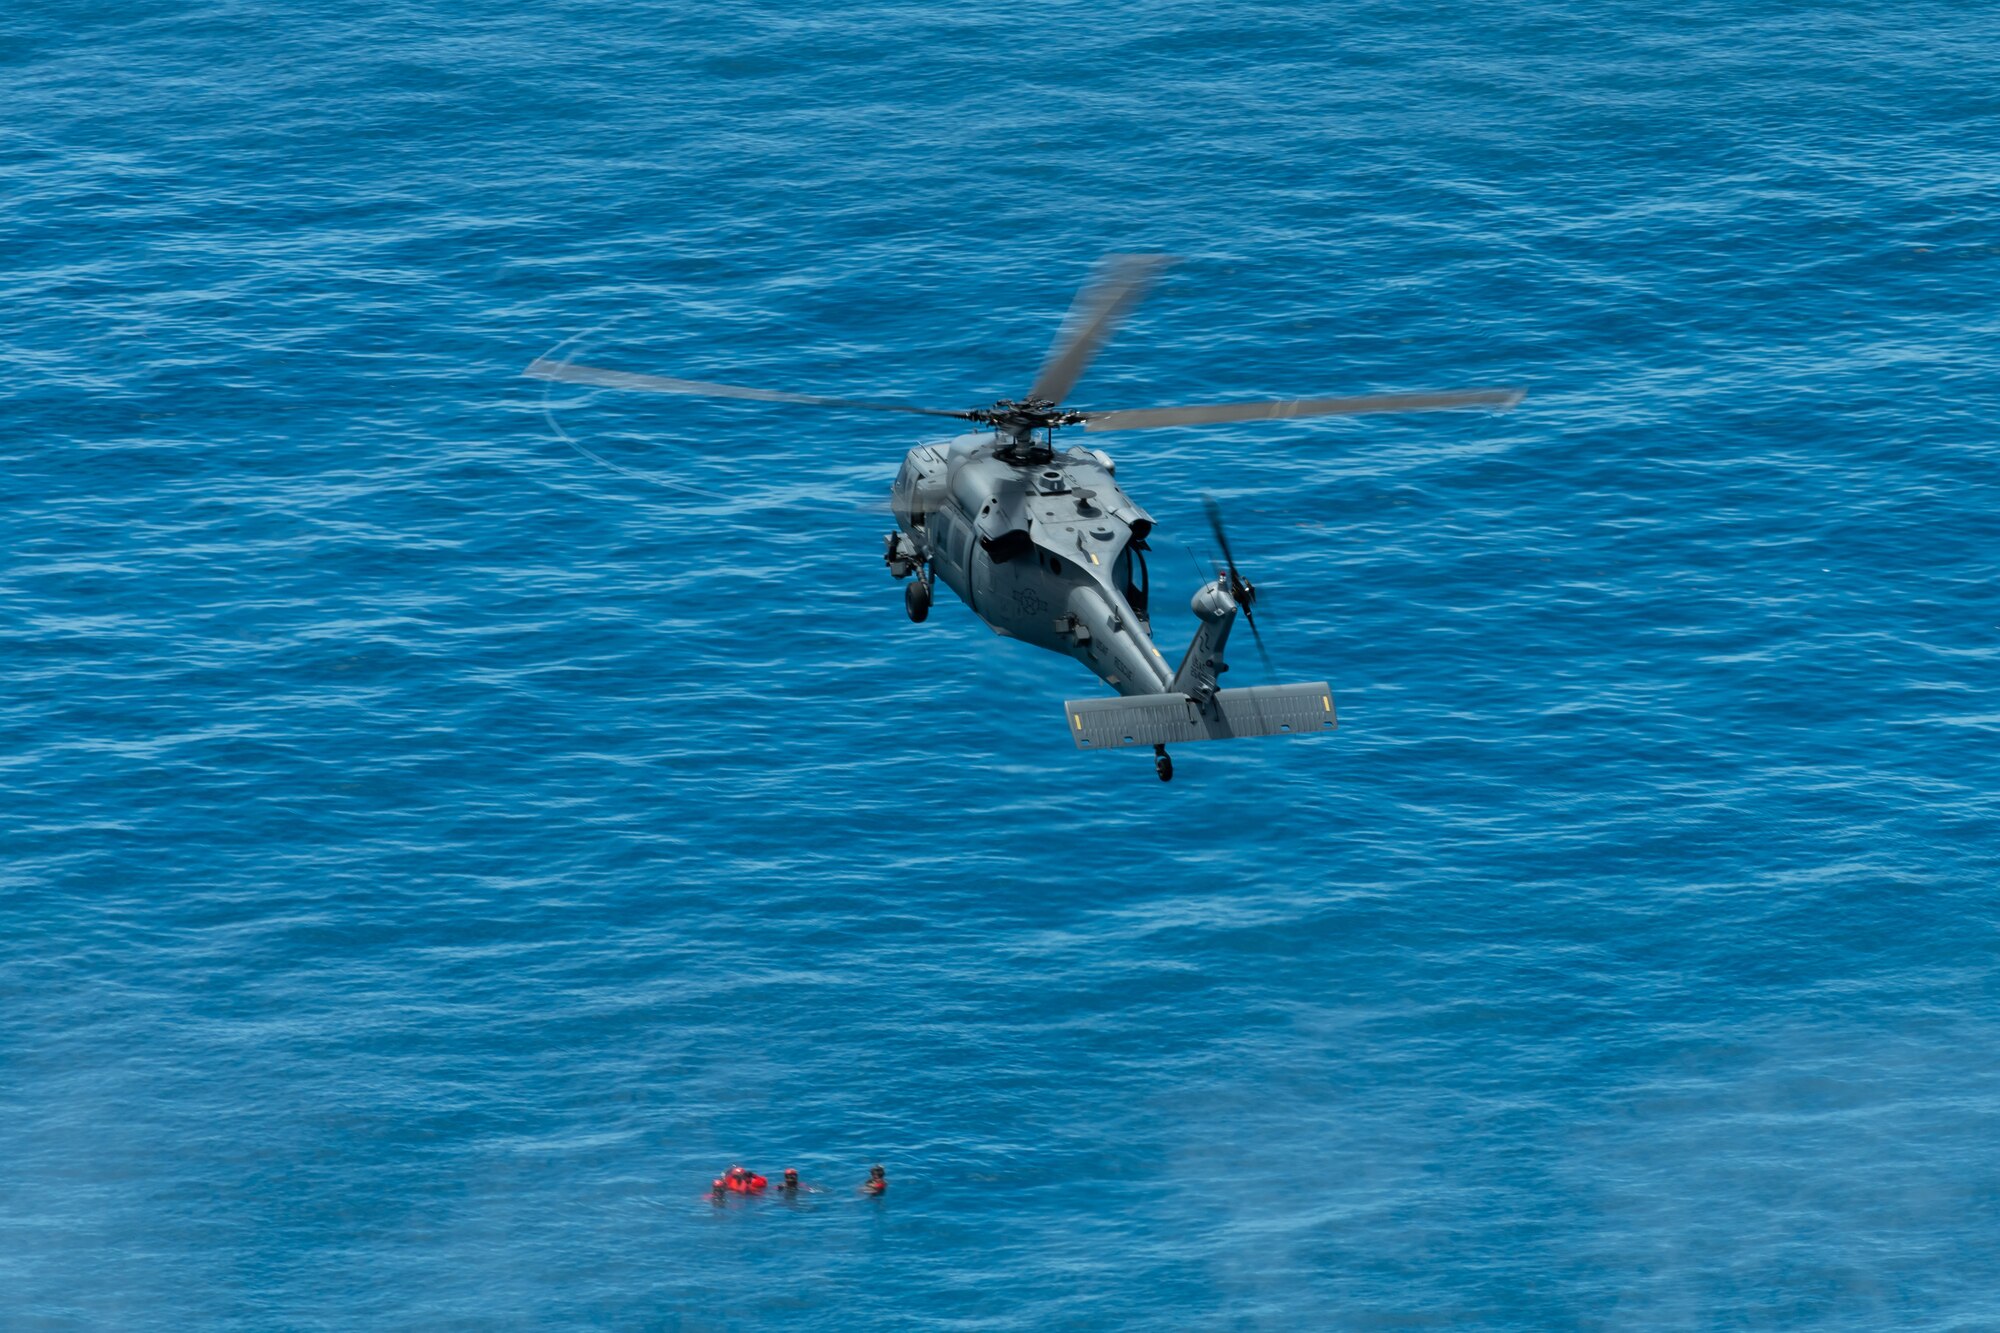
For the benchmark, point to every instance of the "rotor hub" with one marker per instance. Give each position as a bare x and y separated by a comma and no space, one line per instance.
1018,416
1026,426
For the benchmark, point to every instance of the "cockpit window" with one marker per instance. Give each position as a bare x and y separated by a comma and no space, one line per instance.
1128,572
1007,546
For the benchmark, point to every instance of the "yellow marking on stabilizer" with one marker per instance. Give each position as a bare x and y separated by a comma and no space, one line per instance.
1079,720
1327,701
1093,558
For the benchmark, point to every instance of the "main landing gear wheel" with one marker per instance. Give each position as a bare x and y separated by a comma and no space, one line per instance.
917,599
1163,764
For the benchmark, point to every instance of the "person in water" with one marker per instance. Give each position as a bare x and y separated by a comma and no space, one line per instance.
741,1180
878,1181
719,1192
790,1186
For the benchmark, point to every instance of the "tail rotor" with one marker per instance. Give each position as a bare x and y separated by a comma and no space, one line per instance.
1241,590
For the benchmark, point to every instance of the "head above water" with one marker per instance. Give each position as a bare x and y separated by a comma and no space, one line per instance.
791,1175
876,1173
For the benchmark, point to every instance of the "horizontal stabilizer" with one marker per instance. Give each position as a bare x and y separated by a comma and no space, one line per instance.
1175,719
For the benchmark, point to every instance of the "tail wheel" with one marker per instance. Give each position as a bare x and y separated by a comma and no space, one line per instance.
917,599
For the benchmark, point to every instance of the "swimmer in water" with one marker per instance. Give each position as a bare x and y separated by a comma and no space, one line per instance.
878,1181
790,1184
720,1192
744,1181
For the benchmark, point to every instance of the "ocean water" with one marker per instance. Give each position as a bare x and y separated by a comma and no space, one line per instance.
429,855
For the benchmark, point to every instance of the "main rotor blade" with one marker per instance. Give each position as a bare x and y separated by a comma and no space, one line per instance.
1280,409
1119,283
570,373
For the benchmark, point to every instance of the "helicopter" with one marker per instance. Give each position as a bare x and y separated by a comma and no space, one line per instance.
1043,546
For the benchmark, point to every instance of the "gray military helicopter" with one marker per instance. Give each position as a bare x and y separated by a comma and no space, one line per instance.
1044,547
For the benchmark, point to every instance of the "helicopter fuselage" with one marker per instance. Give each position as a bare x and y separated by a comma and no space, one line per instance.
1045,547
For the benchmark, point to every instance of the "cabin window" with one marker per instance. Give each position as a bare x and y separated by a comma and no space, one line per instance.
953,536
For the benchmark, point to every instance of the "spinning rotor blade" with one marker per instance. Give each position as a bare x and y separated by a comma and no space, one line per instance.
1279,409
569,373
1119,283
1236,581
1214,512
1257,637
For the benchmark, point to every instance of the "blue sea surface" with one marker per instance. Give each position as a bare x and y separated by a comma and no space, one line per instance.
429,855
